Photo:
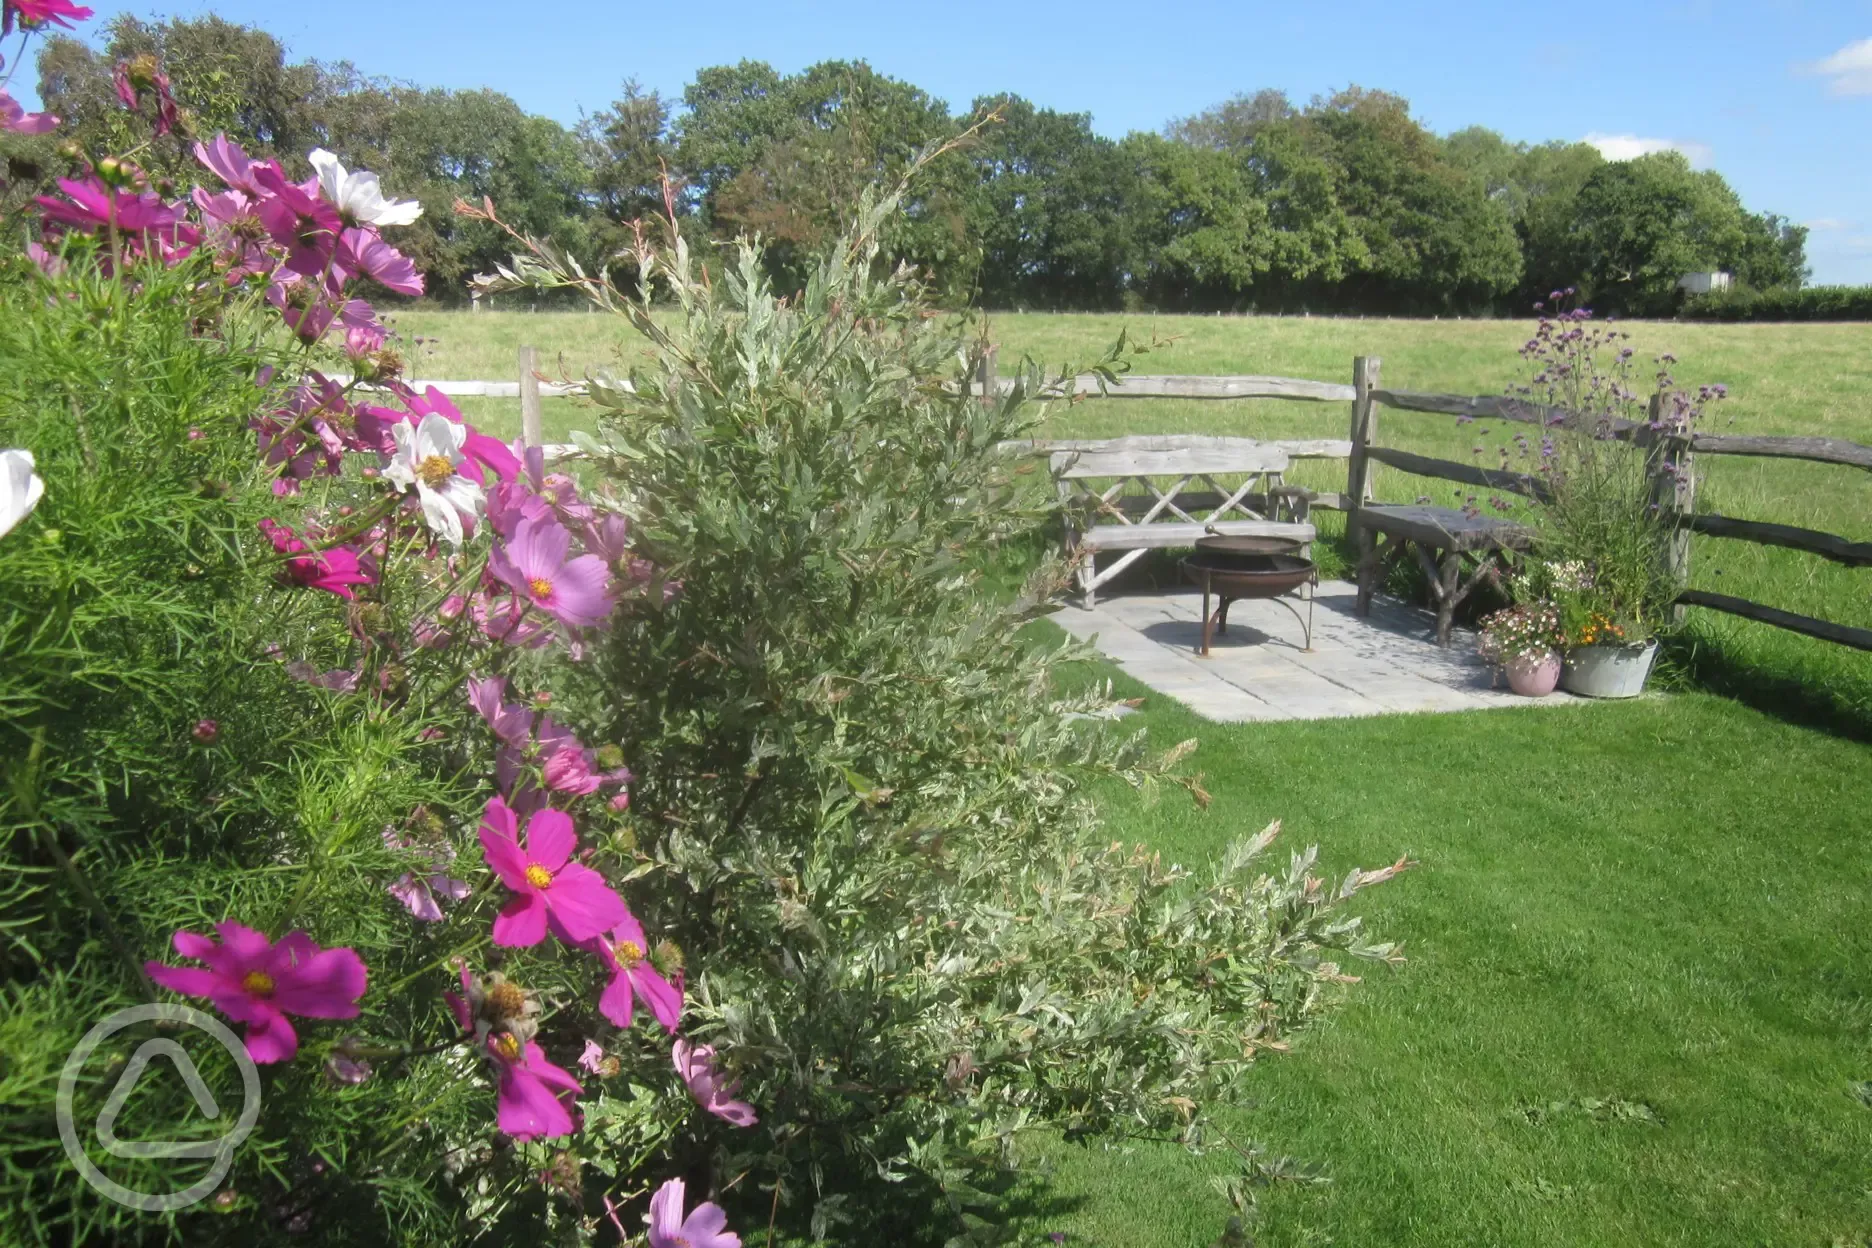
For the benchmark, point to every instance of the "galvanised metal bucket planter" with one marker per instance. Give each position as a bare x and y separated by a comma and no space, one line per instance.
1608,671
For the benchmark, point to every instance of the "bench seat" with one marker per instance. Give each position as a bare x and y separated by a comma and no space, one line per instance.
1444,540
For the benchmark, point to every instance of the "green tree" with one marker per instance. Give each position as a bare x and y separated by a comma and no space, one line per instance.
1200,236
786,157
1049,212
1434,239
1235,122
1642,224
1538,185
627,151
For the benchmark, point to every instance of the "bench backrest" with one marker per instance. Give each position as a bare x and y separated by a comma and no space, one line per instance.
1155,459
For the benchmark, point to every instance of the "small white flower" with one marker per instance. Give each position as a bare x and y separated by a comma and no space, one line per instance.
429,457
357,195
20,488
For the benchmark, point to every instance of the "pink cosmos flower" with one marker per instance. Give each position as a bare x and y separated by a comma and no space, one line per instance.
225,159
338,679
255,981
233,226
511,722
504,618
14,117
592,1057
562,492
92,206
712,1090
39,12
49,264
549,889
534,1098
133,78
362,251
608,536
418,890
535,566
511,502
335,571
305,225
705,1227
626,954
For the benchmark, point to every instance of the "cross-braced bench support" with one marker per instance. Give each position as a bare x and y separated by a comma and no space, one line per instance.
1457,552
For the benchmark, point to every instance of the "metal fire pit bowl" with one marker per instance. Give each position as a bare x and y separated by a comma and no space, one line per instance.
1250,567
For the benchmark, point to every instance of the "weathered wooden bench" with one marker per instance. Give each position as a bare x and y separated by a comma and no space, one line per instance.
1456,550
1104,512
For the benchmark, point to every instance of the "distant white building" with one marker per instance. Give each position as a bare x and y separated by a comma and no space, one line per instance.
1704,283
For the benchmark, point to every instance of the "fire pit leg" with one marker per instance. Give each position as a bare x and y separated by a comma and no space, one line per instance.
1305,621
1222,617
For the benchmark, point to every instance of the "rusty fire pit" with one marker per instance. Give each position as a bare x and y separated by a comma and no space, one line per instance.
1250,567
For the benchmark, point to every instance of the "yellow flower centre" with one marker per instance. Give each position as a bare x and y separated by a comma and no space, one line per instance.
506,1044
538,876
259,983
541,587
435,471
506,1000
630,954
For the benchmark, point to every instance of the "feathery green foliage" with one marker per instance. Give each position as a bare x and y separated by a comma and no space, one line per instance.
903,923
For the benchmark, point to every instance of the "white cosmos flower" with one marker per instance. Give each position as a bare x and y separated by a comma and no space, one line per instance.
357,195
429,457
20,488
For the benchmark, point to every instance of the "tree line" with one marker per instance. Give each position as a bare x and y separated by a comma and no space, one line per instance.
1347,204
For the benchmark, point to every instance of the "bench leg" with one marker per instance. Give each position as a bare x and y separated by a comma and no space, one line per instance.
1449,581
1367,571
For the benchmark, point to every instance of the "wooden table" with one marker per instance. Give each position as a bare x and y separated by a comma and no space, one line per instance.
1457,551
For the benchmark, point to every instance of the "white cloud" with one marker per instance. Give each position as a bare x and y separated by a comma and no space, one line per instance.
1848,71
1632,146
1829,223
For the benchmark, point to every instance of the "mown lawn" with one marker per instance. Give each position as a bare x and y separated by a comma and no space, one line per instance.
1637,1002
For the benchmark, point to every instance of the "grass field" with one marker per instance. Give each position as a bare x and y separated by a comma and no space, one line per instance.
1638,1005
1789,379
1637,999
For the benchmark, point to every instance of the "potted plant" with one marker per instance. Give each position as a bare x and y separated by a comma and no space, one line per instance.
1595,473
1525,641
1609,646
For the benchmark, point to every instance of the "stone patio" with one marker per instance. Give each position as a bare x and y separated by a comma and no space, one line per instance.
1385,664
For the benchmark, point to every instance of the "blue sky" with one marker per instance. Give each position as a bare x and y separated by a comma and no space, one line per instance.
1776,94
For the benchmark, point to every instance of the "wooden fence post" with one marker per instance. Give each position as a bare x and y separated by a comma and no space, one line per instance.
1364,428
988,372
531,433
1672,469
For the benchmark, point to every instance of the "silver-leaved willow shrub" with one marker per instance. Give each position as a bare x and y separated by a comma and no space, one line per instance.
869,786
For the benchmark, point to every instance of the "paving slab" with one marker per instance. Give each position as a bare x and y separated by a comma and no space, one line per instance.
1388,663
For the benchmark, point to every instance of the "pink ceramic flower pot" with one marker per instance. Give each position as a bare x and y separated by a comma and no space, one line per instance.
1533,678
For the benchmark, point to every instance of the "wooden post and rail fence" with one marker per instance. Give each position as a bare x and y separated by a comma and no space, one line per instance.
1670,459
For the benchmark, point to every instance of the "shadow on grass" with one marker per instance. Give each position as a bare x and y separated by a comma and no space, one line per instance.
1706,663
